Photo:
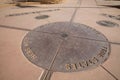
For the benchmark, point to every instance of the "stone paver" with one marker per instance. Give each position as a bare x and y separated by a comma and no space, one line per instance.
112,64
26,17
15,22
13,65
89,3
90,16
94,74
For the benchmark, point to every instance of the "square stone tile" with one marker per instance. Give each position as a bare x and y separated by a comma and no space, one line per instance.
62,15
90,16
94,74
26,17
13,64
113,64
22,17
89,3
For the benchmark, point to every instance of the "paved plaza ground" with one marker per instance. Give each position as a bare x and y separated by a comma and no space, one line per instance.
16,21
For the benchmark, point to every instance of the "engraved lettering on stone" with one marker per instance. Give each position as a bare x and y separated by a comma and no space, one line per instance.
26,42
68,66
82,64
30,53
27,13
102,52
74,66
92,61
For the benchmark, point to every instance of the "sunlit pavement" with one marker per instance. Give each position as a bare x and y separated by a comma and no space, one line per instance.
15,22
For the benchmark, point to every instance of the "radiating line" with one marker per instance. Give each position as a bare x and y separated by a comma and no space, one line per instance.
116,43
109,73
24,29
16,28
76,9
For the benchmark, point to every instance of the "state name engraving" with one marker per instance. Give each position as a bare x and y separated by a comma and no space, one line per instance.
28,51
86,63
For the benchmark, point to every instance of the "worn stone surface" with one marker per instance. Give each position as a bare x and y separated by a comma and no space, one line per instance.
15,66
82,47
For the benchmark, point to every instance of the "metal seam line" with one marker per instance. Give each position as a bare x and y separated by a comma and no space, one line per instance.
72,18
52,62
15,28
117,43
24,29
74,13
56,54
109,73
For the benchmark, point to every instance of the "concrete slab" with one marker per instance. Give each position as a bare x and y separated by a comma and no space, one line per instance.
94,74
13,65
89,3
112,64
26,17
90,16
62,15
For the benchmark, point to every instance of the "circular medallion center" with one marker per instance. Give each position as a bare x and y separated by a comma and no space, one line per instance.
64,35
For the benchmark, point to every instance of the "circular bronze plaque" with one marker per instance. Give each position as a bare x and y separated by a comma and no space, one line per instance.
65,47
